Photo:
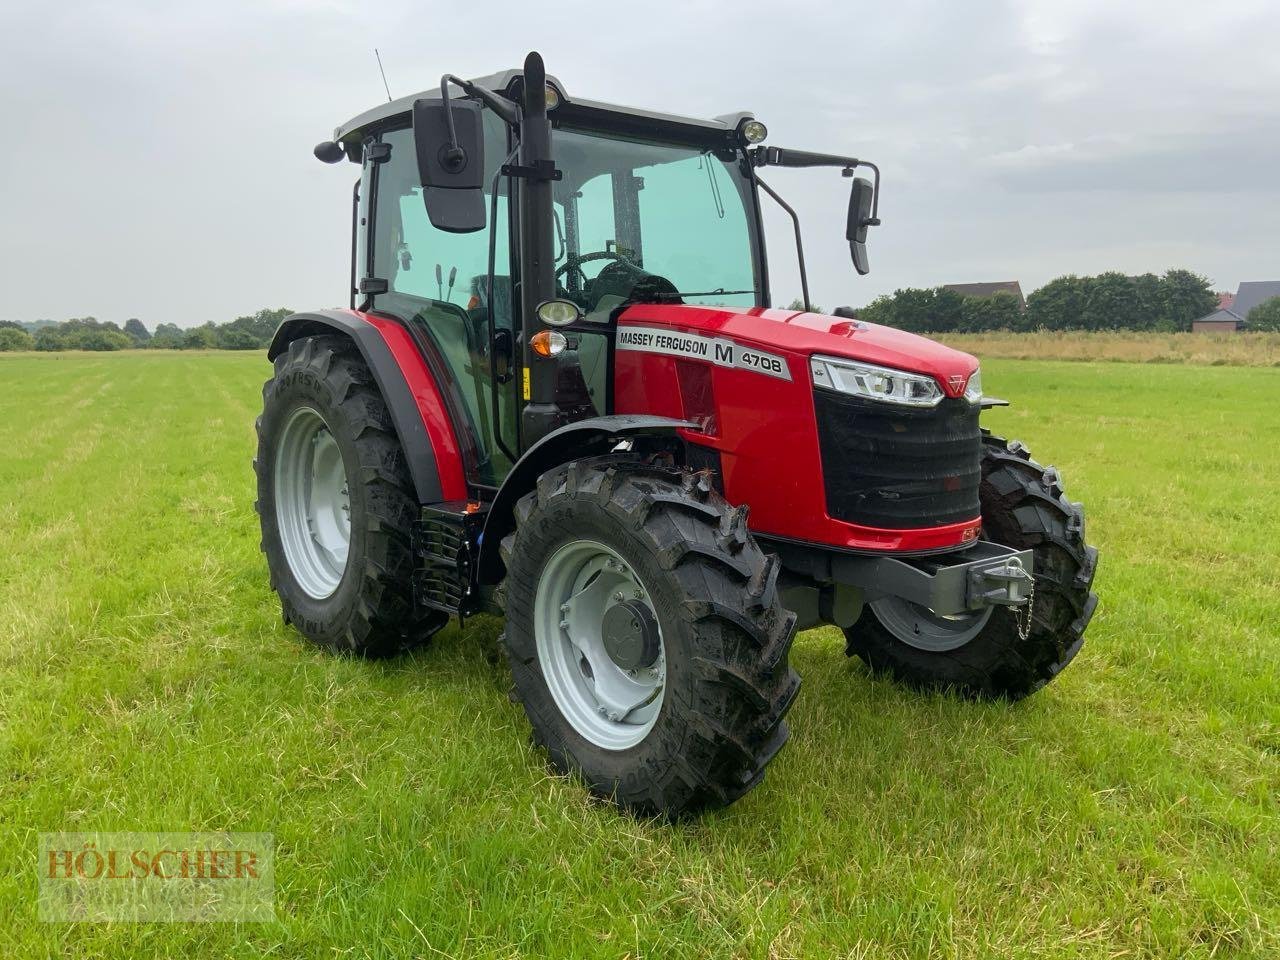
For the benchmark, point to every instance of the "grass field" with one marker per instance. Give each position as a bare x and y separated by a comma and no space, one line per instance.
146,683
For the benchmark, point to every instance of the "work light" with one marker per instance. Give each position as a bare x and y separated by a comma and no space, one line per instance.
753,131
870,382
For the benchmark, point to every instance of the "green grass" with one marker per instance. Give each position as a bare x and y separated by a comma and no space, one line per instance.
146,683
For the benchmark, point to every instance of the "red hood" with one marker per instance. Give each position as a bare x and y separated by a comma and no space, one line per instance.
805,334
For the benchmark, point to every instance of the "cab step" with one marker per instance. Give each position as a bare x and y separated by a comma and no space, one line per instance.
446,544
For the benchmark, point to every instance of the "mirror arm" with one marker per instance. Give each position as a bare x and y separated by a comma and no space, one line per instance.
874,219
503,107
795,220
780,157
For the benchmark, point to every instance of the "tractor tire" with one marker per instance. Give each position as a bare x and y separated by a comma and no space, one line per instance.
721,682
336,503
1023,506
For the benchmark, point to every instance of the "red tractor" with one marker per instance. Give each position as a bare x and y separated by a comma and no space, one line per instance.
556,393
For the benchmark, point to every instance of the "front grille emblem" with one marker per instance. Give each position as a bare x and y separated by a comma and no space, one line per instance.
956,382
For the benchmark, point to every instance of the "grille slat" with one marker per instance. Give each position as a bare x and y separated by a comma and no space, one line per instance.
898,467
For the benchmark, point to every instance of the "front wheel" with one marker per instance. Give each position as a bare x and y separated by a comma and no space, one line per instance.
997,652
646,636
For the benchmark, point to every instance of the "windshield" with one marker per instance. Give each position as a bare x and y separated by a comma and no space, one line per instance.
638,218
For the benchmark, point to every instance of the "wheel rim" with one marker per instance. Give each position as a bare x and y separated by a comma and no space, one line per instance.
923,629
613,707
313,508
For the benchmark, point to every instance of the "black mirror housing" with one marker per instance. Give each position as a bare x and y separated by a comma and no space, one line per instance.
860,200
452,172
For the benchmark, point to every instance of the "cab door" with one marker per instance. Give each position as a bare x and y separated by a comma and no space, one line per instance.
435,283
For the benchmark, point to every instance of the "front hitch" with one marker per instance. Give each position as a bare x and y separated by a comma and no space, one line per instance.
826,586
982,575
1006,584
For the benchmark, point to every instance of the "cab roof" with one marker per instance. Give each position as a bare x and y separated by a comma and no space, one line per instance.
721,130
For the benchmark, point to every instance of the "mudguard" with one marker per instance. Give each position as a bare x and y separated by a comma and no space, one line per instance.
573,441
407,412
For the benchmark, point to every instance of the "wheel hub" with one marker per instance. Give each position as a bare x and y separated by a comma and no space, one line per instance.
631,634
599,644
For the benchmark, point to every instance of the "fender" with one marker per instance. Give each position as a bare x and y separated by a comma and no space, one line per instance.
416,408
582,438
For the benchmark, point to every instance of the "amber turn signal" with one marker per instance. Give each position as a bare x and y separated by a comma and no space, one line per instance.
547,343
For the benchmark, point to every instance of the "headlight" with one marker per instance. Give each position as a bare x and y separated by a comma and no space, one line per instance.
557,313
973,392
875,383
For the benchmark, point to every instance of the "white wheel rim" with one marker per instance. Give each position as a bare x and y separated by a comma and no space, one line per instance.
313,508
610,706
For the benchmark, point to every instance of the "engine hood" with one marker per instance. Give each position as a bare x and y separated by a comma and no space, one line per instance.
802,334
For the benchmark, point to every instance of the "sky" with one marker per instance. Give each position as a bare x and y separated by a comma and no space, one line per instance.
159,163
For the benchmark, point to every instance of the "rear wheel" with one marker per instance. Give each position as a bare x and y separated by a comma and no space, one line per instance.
995,652
336,503
646,637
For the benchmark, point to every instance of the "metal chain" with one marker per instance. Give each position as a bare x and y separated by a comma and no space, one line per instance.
1024,622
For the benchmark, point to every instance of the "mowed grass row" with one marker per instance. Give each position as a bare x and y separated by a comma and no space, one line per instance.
1258,349
147,683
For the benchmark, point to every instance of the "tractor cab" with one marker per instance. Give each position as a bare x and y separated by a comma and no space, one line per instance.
634,207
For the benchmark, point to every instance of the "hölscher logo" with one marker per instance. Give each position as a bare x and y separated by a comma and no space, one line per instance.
156,877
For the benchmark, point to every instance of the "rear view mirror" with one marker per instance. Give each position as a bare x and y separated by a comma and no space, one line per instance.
451,168
860,198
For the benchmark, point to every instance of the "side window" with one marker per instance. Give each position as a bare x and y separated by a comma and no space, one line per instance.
415,258
362,221
437,281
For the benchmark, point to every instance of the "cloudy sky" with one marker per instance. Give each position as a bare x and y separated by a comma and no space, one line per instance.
159,164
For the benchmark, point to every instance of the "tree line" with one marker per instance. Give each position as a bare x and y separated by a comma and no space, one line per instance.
1108,301
252,332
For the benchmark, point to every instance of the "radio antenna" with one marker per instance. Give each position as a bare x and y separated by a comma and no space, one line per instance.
385,85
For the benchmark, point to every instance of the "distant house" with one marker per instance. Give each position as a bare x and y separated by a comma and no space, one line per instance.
989,289
1231,317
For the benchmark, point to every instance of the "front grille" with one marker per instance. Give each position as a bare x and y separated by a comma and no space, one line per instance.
898,467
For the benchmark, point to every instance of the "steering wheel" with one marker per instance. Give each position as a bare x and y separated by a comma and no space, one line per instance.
575,262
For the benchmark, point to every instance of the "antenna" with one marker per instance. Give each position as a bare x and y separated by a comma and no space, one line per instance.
385,85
